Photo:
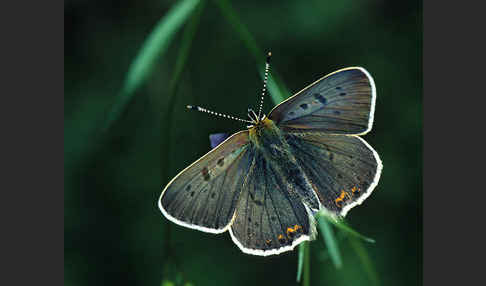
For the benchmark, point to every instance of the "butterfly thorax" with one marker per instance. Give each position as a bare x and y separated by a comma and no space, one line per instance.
268,139
262,130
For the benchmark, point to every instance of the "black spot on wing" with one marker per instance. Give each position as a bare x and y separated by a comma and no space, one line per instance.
205,174
320,98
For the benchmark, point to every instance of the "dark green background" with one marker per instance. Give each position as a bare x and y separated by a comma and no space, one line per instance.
114,231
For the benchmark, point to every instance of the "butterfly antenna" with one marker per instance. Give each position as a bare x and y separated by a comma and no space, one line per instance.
267,68
201,109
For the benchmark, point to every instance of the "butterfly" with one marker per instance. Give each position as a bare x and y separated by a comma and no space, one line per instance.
265,184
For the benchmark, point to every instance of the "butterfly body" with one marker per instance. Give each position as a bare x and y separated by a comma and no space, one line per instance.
264,184
266,138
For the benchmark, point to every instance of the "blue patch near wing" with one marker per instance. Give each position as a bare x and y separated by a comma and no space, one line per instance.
216,139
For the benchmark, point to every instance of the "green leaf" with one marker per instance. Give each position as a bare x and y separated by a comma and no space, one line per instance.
152,49
329,239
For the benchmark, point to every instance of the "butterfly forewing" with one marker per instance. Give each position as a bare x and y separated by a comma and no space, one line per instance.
343,170
270,217
204,195
339,103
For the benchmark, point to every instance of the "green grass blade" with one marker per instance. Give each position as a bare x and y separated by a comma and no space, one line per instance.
300,262
152,49
343,226
181,60
277,89
329,240
365,259
274,89
187,37
306,279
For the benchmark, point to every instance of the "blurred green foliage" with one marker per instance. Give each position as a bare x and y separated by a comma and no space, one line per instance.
211,53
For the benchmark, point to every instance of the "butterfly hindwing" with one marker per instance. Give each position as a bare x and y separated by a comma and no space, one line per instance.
204,195
343,170
270,217
339,103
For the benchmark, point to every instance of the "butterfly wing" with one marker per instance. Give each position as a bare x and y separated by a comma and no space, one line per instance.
204,195
270,217
343,170
339,103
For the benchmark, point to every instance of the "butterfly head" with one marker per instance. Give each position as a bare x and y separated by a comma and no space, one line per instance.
263,126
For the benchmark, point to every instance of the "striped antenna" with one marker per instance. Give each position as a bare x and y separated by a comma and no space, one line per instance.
267,68
201,109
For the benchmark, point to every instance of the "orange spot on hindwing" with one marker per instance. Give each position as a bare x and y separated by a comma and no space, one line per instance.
346,196
292,231
341,199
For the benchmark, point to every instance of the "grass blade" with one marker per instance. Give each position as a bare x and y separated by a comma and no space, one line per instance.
365,259
187,37
300,262
329,240
153,48
274,88
306,279
343,226
277,89
166,124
